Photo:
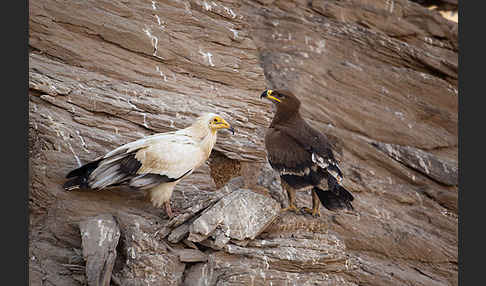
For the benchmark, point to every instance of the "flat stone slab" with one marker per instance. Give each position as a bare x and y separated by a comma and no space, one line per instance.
239,215
192,255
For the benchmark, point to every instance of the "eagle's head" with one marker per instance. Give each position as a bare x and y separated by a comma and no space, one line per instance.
283,99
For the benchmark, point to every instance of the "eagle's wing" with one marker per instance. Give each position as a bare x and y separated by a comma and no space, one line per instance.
149,161
317,145
285,154
306,155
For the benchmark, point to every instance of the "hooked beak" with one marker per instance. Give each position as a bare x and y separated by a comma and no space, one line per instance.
226,125
268,94
264,94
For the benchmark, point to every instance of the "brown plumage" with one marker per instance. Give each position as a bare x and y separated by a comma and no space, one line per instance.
303,156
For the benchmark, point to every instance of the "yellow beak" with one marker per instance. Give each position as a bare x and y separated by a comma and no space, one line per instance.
273,98
226,125
268,94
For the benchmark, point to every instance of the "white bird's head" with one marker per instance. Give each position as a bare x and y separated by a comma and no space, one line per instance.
215,122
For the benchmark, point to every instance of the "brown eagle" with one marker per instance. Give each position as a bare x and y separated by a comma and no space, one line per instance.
155,163
303,157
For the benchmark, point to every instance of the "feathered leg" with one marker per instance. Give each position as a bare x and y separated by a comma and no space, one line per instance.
291,195
316,203
160,195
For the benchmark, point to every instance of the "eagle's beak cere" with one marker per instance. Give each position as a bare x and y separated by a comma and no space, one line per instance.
268,94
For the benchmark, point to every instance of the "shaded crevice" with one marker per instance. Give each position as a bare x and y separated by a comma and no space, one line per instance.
121,257
424,274
223,168
448,5
424,192
434,71
439,148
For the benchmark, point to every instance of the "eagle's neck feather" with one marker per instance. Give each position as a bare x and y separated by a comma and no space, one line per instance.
285,118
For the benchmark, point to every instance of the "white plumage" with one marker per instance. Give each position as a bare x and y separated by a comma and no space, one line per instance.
154,163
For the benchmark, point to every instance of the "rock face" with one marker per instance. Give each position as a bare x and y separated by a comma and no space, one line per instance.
99,240
379,77
241,215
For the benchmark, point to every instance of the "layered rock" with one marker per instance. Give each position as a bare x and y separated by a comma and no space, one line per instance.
380,77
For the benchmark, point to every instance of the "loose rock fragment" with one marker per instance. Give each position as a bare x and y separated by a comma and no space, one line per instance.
99,236
179,233
241,214
149,260
191,255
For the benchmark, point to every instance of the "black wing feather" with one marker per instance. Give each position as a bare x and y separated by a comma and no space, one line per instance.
83,170
340,198
130,165
126,173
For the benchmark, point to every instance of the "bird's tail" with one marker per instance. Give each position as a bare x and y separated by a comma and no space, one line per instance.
80,176
75,183
337,197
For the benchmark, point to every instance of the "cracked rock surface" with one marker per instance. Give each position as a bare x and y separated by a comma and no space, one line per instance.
379,77
243,214
100,236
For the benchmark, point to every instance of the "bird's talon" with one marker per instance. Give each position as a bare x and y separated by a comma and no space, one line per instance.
313,212
291,208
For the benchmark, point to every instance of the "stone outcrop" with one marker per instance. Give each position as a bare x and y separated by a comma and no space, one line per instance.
241,215
379,77
99,236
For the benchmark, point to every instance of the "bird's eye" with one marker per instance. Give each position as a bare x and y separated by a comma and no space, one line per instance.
215,120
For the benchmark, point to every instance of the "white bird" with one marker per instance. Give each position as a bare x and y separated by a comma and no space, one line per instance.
154,163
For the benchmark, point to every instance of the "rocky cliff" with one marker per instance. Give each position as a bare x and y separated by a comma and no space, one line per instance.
380,77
